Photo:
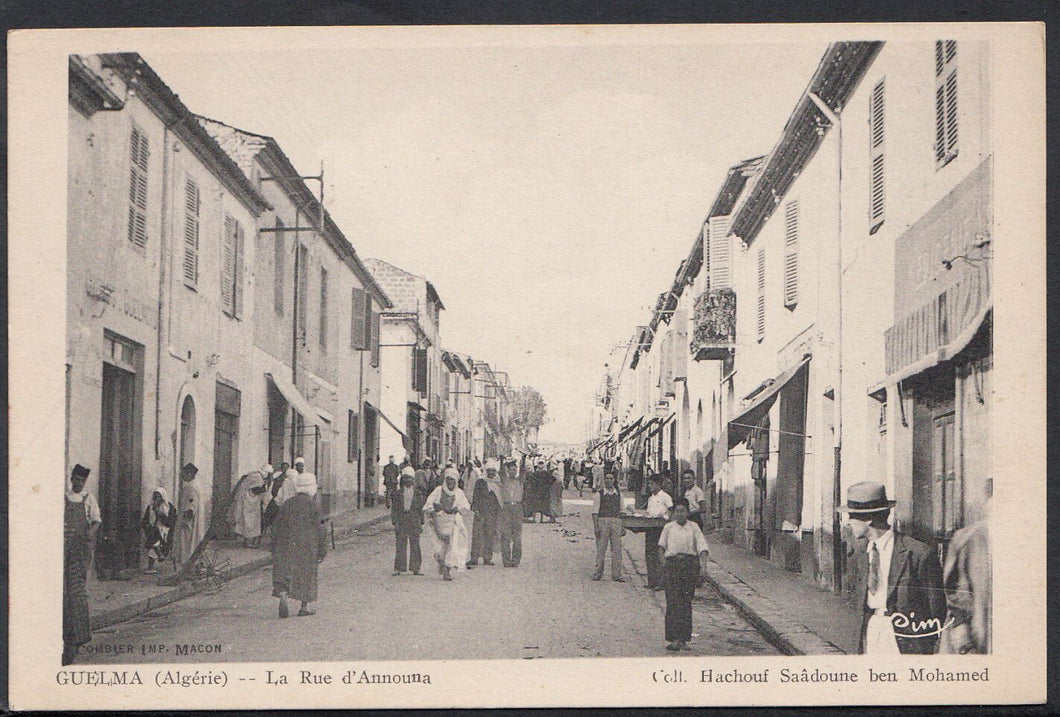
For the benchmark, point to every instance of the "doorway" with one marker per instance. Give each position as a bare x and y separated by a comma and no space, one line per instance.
119,460
225,443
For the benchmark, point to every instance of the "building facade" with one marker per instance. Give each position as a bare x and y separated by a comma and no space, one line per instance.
161,246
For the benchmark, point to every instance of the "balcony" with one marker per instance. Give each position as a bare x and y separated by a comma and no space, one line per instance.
714,325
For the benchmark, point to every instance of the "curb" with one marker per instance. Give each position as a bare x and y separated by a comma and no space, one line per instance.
105,618
767,617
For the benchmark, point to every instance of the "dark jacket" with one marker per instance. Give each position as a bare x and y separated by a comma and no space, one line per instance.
914,589
412,520
299,543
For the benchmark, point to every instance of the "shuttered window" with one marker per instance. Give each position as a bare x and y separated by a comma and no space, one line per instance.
375,339
791,254
352,436
301,289
323,308
945,101
876,135
720,244
232,268
138,154
367,321
279,266
760,323
419,370
358,329
191,234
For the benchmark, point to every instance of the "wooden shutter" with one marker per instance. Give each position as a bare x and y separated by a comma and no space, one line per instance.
876,135
279,266
323,307
720,253
791,254
367,321
421,371
376,317
945,100
237,272
191,234
352,434
228,257
138,155
358,329
761,314
302,289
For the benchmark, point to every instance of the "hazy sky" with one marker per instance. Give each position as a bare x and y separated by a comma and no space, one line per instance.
548,193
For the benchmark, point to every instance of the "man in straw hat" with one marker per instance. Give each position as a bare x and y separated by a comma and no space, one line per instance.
899,579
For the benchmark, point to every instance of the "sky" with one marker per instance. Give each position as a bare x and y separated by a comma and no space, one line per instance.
549,193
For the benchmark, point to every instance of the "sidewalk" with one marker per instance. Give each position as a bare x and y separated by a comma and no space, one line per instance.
793,613
115,601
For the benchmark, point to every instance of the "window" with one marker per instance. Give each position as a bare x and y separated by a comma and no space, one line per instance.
791,254
352,438
419,370
323,308
191,234
358,329
138,154
375,339
301,289
368,323
761,318
232,268
719,253
279,266
945,101
876,158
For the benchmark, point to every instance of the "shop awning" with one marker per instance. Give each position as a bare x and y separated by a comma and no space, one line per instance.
417,406
626,431
386,419
662,423
298,402
760,403
940,355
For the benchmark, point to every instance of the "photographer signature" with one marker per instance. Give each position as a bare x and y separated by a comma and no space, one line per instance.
909,626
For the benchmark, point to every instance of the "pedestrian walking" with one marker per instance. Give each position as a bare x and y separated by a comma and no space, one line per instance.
298,546
445,509
659,505
683,550
607,527
273,497
555,494
697,499
899,579
510,521
535,499
968,579
486,504
406,515
391,473
78,536
598,475
189,529
246,509
157,523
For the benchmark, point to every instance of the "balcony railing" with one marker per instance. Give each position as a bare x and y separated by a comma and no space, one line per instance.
714,330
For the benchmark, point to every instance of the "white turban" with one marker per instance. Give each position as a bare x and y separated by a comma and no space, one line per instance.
299,461
266,469
492,465
451,473
408,471
306,483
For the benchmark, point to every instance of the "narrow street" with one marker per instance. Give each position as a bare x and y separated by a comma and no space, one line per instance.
547,608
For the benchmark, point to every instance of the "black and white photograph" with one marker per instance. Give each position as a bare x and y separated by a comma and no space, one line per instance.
391,354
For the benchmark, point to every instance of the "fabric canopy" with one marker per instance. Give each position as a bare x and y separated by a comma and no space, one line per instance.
625,431
760,404
387,420
295,398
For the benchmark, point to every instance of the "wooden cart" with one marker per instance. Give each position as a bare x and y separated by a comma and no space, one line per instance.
641,523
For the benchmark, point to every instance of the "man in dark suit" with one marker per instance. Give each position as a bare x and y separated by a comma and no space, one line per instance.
406,513
899,579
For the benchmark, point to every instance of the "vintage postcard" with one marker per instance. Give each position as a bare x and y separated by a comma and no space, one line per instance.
527,366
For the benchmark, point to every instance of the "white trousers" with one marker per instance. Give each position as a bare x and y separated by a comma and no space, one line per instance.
879,636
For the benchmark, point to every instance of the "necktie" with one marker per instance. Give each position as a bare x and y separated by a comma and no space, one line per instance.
874,569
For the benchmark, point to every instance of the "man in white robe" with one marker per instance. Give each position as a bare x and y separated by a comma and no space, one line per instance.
447,536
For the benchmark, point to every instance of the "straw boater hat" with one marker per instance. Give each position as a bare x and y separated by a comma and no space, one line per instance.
867,497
